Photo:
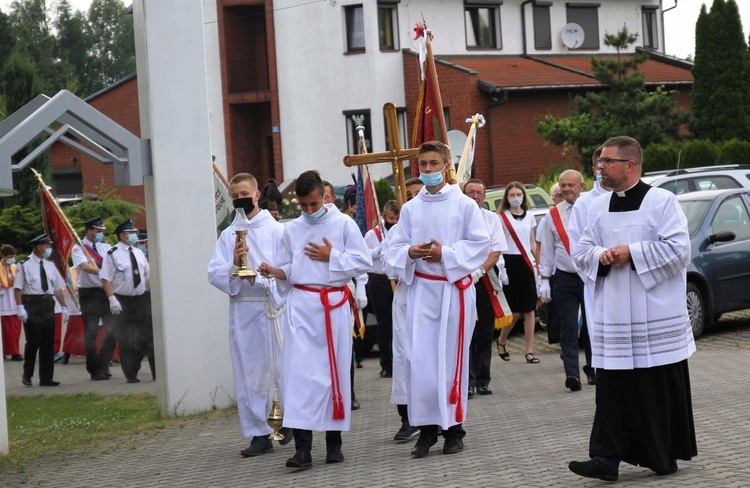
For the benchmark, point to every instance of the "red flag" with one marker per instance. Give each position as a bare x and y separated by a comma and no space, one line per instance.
54,226
429,123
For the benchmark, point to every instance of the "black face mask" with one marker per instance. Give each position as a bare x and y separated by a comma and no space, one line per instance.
388,225
244,203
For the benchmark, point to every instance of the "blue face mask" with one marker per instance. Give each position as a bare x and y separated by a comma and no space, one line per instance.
142,247
313,217
47,253
132,239
431,179
598,175
99,237
10,261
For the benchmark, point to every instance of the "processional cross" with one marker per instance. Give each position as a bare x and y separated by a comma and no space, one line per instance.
394,155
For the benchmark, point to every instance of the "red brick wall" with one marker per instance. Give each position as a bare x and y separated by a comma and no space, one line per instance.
121,105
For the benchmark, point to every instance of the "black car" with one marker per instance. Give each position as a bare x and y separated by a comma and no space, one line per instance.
718,276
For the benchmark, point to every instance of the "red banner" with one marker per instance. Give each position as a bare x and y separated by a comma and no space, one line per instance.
54,226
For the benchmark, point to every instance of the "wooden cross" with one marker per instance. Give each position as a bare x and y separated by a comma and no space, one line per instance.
394,155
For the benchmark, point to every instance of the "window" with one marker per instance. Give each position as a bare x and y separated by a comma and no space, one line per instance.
482,26
68,181
388,26
650,30
352,137
355,29
542,30
732,216
405,138
587,16
715,183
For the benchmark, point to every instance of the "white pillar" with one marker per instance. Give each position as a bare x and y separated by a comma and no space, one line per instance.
3,407
190,316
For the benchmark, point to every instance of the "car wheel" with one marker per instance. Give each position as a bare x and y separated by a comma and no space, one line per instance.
697,311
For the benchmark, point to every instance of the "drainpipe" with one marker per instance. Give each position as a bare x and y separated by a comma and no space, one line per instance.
496,99
663,34
523,23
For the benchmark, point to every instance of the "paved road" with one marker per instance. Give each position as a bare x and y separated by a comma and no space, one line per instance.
522,436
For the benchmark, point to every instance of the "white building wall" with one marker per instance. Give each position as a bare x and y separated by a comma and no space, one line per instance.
318,81
215,96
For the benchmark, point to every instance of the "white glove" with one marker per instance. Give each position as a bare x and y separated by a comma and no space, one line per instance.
477,275
65,313
504,276
22,315
544,291
114,305
360,296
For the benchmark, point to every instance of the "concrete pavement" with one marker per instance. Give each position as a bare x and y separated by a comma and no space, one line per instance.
523,435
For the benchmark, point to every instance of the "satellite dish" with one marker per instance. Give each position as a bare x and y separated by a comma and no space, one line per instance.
457,141
573,35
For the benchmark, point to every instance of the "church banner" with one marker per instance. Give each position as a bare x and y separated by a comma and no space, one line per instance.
222,201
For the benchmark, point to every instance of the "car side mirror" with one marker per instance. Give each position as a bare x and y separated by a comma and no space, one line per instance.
723,236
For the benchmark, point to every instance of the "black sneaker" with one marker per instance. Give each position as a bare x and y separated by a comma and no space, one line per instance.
288,434
259,445
484,390
300,460
406,432
472,392
334,455
423,445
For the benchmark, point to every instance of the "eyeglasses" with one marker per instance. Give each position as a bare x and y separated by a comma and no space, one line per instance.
608,161
475,193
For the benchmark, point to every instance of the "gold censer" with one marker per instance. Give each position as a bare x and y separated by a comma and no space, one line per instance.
275,420
243,271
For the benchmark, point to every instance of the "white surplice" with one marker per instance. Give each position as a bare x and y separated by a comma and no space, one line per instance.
578,221
398,316
432,307
253,346
640,317
307,379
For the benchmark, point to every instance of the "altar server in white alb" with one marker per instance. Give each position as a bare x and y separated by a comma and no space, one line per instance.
441,239
321,251
636,248
253,303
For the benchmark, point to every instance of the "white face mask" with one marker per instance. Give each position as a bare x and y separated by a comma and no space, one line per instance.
515,202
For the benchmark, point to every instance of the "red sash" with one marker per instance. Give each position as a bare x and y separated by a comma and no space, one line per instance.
93,254
455,396
378,234
554,214
338,403
493,298
517,242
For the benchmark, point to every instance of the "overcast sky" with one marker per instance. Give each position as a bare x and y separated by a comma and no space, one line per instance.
679,23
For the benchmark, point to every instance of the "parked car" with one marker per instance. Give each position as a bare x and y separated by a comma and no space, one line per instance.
539,200
704,178
718,276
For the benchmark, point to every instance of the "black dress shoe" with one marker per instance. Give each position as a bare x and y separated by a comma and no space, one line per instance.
134,380
406,432
66,358
386,374
484,390
300,460
423,445
334,455
671,470
259,445
26,380
16,357
573,383
593,468
101,376
288,435
591,379
472,392
49,383
453,445
355,404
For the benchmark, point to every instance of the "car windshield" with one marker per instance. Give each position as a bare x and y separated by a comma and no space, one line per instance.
694,211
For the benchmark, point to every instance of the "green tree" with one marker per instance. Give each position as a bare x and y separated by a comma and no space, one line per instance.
19,86
6,38
622,107
110,30
699,152
18,225
657,157
71,45
734,152
720,97
384,192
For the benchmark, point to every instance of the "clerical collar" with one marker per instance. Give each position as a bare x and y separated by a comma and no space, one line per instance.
621,194
630,200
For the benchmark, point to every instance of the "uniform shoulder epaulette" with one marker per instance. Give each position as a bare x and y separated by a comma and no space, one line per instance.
112,249
24,260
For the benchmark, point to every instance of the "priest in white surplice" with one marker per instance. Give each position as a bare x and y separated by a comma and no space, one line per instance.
441,239
253,347
636,248
321,251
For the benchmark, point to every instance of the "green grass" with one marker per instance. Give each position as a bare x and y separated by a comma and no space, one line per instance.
42,424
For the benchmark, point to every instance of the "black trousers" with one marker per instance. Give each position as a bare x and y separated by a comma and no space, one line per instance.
567,296
40,336
455,431
134,333
95,307
381,294
303,439
480,351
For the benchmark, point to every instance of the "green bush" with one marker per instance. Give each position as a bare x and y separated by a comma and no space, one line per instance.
699,153
734,151
657,157
18,225
112,210
384,191
552,176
